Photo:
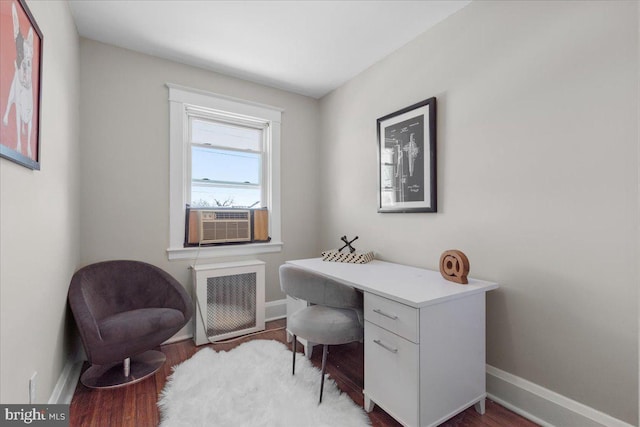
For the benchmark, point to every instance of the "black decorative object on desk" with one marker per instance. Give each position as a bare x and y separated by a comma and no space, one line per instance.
348,243
336,255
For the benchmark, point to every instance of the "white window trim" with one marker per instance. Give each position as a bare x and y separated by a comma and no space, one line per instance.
180,97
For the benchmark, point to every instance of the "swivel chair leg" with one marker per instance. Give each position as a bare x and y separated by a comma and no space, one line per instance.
295,339
127,367
324,366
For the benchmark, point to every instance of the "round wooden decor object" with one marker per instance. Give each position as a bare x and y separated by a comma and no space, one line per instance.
454,266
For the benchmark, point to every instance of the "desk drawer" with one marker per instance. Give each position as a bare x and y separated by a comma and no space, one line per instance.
392,316
391,374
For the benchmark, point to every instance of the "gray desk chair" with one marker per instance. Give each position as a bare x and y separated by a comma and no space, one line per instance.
336,318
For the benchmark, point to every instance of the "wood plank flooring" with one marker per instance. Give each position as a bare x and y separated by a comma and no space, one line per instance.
135,405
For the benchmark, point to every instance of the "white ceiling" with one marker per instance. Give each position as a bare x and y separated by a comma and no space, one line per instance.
307,47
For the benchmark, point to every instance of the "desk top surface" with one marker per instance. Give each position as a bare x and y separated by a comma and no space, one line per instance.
416,287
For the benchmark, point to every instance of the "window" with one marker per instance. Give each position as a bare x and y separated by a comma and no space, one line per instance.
224,152
227,162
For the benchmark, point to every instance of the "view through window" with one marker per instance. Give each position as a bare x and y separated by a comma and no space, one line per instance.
227,164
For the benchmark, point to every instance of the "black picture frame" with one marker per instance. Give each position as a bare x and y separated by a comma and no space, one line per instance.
21,47
407,159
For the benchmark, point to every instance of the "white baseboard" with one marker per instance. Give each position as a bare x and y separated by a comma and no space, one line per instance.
179,337
543,406
65,387
274,310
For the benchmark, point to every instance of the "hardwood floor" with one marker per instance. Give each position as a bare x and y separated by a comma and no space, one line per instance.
135,405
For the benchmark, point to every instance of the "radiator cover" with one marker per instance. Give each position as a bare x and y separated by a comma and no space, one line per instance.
229,300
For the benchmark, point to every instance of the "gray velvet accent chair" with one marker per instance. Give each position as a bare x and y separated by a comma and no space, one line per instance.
125,309
334,317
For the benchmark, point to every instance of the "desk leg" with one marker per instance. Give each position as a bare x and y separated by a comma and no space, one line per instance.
480,406
368,404
308,349
289,336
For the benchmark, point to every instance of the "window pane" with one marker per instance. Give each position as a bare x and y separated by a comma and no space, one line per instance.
226,135
225,178
211,196
225,166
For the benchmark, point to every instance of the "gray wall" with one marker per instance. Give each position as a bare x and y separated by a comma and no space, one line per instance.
39,213
537,181
125,159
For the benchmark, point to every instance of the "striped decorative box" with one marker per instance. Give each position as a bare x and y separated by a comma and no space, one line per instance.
334,255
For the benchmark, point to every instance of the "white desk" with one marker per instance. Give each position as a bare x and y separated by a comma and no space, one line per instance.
424,350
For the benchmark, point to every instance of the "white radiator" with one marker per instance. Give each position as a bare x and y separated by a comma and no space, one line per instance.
229,300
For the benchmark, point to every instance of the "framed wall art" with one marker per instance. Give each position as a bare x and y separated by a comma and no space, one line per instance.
407,159
20,84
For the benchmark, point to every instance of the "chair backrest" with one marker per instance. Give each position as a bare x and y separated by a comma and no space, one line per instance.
107,288
112,287
318,289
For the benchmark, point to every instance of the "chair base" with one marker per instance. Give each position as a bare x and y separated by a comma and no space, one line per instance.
111,376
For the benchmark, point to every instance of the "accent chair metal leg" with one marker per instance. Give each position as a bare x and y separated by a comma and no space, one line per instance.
324,366
295,339
127,367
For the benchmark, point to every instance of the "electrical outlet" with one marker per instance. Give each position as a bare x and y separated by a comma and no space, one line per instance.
32,388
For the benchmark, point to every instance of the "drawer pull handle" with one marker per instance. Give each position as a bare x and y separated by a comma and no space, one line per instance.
390,316
386,347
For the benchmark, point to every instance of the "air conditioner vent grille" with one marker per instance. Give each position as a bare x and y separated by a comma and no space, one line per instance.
225,226
225,231
231,215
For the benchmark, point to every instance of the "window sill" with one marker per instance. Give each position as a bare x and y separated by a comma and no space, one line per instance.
223,251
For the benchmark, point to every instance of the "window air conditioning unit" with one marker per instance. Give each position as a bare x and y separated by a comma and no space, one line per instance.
223,226
229,300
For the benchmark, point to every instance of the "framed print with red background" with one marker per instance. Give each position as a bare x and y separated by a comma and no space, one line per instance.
20,84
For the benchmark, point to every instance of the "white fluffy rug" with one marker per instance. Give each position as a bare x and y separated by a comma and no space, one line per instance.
252,385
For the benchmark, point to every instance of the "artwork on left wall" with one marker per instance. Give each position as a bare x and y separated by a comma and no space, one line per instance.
20,84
